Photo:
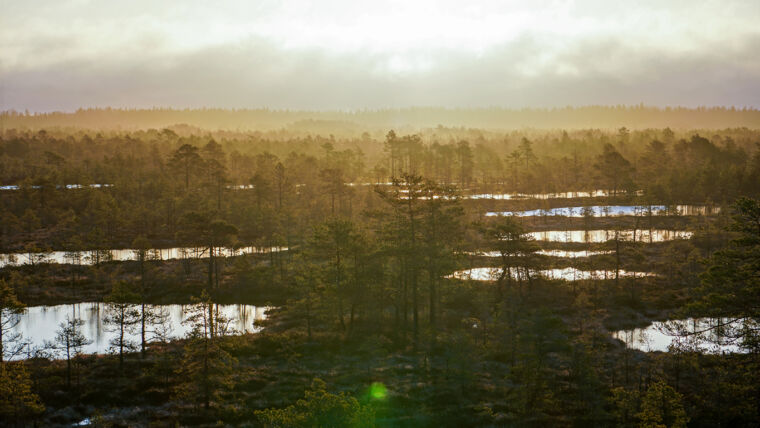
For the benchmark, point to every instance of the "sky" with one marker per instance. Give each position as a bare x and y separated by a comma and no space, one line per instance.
352,54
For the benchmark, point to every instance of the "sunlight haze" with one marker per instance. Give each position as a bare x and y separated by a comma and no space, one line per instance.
62,55
370,214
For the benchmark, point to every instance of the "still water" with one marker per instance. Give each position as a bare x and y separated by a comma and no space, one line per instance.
38,324
709,335
550,253
525,196
59,186
86,258
613,211
557,195
595,236
568,274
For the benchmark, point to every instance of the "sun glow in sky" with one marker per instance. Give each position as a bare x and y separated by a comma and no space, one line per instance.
367,54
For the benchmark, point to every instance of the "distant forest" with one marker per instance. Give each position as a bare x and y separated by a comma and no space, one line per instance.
160,175
352,123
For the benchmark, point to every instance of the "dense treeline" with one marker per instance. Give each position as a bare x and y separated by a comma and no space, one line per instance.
157,177
352,123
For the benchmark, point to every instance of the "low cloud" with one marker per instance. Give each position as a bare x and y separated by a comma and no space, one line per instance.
526,72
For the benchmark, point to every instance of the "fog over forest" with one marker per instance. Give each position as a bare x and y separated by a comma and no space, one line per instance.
355,122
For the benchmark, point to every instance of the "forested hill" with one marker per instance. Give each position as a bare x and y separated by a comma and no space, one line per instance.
355,122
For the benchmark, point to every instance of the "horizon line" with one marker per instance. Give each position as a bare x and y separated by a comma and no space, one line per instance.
27,112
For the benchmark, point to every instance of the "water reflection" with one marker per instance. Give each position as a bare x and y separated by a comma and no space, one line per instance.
596,236
89,257
495,196
59,186
709,335
556,195
571,254
523,196
39,324
568,274
613,211
550,253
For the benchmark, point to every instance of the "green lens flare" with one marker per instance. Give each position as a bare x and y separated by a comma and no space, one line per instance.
378,391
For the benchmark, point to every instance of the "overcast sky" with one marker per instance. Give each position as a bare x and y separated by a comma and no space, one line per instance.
349,54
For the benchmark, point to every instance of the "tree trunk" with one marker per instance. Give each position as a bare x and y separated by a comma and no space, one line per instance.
617,258
142,329
413,242
68,364
206,391
142,308
210,267
121,338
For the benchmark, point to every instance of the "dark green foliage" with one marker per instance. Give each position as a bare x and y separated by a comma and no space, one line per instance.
731,284
320,408
19,405
365,294
662,406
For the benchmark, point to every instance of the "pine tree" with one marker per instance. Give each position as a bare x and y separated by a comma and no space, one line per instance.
10,310
122,318
662,407
206,367
18,404
68,343
320,408
731,285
